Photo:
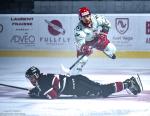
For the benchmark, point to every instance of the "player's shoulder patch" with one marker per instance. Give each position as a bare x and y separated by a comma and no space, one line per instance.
78,28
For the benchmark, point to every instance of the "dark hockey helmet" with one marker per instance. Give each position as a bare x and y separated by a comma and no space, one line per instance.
32,71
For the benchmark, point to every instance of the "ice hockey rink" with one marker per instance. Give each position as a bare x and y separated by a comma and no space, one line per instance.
15,102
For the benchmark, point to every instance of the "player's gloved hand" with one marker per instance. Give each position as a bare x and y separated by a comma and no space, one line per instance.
34,92
102,37
102,40
86,50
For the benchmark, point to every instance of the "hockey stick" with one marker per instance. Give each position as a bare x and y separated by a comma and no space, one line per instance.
66,70
22,88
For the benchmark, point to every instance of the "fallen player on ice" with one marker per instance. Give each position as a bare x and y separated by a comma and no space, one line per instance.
51,86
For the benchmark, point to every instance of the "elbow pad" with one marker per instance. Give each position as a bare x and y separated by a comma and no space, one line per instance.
105,29
51,93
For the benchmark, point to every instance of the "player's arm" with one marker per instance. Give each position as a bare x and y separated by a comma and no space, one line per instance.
105,26
35,93
104,23
53,91
80,37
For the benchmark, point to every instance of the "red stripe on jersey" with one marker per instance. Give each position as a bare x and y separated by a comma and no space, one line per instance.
51,93
56,82
118,86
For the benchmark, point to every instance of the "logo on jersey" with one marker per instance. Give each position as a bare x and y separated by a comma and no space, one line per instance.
122,25
55,27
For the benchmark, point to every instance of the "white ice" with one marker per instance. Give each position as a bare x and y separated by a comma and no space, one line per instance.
14,102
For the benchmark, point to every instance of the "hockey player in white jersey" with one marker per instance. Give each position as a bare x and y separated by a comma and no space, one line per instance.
90,32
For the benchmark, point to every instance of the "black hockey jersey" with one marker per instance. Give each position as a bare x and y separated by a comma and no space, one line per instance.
50,85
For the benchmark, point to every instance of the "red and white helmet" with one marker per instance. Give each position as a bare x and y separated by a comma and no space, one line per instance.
84,11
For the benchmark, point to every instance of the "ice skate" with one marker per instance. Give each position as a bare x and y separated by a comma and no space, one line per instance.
134,85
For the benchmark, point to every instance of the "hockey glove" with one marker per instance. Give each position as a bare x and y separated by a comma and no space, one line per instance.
86,50
102,41
103,33
34,92
105,29
102,36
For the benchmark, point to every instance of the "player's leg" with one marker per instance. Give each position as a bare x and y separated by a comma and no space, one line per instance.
85,86
104,45
82,86
77,85
108,89
78,68
131,84
110,51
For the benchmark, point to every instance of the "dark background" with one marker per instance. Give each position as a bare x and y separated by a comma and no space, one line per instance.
71,6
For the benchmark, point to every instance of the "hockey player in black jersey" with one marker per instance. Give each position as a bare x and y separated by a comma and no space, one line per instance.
52,86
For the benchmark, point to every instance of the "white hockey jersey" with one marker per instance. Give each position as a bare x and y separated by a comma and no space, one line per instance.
83,33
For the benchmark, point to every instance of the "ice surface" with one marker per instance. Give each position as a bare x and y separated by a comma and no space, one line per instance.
14,102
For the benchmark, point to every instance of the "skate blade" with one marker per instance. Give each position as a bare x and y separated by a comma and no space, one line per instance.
138,79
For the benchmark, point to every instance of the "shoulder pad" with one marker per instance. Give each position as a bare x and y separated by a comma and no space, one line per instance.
103,21
79,33
96,16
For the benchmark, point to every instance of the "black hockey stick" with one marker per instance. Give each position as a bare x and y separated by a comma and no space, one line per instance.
66,70
22,88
